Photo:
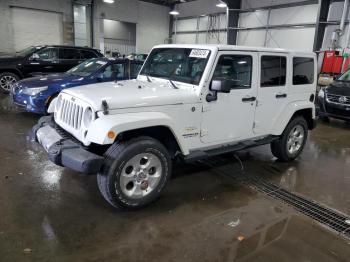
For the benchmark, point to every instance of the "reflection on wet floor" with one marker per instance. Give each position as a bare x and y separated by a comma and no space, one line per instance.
49,213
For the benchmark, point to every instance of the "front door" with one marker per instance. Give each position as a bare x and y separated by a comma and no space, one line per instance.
272,91
230,118
43,62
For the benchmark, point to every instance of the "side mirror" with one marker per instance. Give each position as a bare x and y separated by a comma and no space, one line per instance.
34,57
222,85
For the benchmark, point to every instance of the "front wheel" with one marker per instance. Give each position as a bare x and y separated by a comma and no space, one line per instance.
292,141
134,173
7,79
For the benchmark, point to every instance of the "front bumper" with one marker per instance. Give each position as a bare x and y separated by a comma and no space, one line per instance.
33,104
64,150
325,109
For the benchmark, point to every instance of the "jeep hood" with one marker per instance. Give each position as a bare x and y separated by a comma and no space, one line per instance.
133,93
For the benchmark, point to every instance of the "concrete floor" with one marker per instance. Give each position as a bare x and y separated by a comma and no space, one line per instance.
48,213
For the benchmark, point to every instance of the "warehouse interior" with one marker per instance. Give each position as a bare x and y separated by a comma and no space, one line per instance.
245,205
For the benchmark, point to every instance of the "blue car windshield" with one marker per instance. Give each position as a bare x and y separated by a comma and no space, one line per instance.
179,64
88,67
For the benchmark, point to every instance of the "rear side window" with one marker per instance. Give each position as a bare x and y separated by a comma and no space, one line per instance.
235,67
273,71
87,54
68,53
303,71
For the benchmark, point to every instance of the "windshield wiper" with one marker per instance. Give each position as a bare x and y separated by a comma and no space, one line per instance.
149,79
173,84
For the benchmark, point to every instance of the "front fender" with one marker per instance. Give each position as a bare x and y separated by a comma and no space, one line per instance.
120,123
283,120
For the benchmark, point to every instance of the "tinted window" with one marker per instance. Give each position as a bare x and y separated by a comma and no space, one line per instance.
48,53
134,70
87,54
303,71
235,67
114,71
67,53
273,71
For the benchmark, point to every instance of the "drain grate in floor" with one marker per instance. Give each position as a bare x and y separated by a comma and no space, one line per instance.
331,218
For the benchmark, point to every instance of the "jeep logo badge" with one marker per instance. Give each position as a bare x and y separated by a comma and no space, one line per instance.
342,100
73,99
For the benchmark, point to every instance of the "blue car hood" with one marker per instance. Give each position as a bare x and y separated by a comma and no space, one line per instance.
62,80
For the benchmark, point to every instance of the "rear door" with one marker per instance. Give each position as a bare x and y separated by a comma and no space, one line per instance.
230,118
272,91
69,57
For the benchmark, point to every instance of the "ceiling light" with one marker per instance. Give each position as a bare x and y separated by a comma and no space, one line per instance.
221,4
108,1
174,11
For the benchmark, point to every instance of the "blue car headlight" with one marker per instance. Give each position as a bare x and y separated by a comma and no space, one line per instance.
34,91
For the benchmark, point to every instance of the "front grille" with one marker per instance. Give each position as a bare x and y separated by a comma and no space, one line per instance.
338,99
71,113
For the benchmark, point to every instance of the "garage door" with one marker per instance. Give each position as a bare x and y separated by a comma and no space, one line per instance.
35,27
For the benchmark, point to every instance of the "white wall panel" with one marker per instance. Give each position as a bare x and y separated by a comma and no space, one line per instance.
33,27
293,38
152,26
253,19
251,38
294,15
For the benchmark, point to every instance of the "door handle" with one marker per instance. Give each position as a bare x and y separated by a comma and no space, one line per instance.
281,95
248,99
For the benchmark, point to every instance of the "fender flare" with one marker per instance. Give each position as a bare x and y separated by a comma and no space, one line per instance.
288,112
119,123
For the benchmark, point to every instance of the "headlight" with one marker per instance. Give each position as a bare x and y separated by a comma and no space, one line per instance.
34,91
321,93
88,117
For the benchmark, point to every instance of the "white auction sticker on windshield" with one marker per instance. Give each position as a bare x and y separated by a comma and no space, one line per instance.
199,53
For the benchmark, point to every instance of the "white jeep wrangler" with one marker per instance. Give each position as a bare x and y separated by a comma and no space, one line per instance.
188,102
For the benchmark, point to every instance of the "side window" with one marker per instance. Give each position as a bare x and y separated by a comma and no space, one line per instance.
69,53
273,71
235,67
303,71
114,71
87,54
134,70
50,53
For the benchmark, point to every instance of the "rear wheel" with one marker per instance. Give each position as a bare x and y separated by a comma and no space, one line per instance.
134,173
7,79
292,141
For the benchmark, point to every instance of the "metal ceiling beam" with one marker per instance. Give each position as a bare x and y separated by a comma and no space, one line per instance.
232,20
323,10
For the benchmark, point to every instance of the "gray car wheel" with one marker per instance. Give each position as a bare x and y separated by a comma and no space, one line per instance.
7,79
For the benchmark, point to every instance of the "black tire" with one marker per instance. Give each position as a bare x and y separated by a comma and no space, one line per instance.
6,77
116,158
279,148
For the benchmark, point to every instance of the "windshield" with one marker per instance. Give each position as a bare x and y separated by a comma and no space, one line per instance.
28,51
179,64
345,76
88,67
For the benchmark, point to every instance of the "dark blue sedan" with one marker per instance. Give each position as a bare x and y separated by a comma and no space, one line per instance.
35,94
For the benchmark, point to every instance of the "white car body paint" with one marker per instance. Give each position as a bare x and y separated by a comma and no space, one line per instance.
195,123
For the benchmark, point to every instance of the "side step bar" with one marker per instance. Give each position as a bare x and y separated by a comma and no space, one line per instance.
201,154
